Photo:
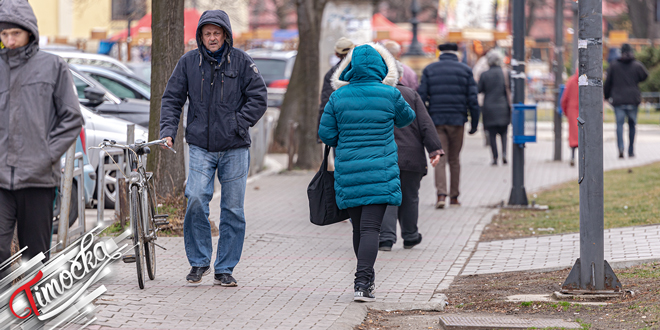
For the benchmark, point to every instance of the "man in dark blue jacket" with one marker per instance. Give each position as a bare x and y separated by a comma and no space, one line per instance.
227,95
449,88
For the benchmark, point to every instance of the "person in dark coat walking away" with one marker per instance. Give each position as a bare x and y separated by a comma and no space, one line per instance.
359,121
411,141
496,109
409,77
342,47
622,90
570,104
39,120
450,91
227,96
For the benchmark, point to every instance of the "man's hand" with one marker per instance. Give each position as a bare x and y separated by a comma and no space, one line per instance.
169,142
472,131
435,160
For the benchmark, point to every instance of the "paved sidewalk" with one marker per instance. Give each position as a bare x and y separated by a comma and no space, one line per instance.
294,275
622,245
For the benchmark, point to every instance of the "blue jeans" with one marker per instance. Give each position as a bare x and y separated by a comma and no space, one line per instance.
621,112
232,168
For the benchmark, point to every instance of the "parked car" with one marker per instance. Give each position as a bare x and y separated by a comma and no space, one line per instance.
103,102
81,58
123,85
275,67
141,69
97,129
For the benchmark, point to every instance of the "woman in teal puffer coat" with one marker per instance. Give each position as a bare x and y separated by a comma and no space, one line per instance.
359,121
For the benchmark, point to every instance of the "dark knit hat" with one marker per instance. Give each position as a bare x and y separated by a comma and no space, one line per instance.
8,25
448,47
626,48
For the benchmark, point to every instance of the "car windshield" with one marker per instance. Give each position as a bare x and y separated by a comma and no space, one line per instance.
271,69
145,87
117,88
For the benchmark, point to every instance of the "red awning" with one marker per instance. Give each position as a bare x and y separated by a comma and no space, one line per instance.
398,34
190,19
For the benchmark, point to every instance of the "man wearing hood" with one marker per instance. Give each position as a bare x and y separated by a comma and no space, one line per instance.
622,91
227,96
39,119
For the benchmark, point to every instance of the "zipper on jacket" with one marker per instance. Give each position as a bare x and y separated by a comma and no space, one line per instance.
202,89
222,88
11,183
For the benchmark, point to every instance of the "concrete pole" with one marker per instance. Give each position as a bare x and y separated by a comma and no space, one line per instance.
65,196
518,194
559,69
591,272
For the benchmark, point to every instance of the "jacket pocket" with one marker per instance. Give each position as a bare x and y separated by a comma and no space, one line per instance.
230,90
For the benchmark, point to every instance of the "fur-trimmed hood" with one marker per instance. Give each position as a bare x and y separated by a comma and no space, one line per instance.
368,62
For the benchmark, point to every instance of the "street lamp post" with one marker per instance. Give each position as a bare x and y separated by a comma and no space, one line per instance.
591,273
518,194
415,47
559,70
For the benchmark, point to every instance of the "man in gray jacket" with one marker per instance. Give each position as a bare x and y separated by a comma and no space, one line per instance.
39,119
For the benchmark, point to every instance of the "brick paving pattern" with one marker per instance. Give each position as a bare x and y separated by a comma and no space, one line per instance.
294,275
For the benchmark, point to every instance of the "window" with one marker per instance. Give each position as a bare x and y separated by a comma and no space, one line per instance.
271,69
145,87
121,9
80,87
117,88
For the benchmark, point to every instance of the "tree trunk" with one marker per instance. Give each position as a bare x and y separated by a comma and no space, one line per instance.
167,48
637,10
306,74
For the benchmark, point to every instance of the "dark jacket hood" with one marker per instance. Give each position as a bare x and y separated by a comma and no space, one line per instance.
20,12
215,17
626,58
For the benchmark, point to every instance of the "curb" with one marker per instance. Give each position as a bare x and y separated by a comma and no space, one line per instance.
355,312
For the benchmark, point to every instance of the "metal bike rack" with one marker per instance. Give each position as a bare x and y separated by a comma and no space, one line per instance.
66,184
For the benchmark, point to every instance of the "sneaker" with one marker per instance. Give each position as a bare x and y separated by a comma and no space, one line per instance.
224,280
410,244
621,154
364,293
441,202
385,246
196,273
504,162
494,163
572,162
454,201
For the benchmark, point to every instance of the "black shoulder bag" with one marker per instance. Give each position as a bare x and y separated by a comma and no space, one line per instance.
323,209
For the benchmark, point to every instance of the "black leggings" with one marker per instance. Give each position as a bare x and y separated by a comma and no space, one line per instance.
366,230
493,131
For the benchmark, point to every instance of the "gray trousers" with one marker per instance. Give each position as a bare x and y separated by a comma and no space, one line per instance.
407,213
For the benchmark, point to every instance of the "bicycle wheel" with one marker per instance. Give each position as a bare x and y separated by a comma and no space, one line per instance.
150,233
136,227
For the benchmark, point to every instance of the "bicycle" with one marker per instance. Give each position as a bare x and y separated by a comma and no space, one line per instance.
145,223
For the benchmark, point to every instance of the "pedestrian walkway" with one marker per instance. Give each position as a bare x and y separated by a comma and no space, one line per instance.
622,245
294,275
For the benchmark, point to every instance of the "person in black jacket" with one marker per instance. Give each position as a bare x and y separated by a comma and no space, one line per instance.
622,91
450,91
496,109
227,96
411,141
342,47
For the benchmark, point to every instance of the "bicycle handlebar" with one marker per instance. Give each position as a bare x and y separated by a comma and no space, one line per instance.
113,143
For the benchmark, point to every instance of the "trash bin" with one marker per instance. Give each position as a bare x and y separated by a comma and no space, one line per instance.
523,120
